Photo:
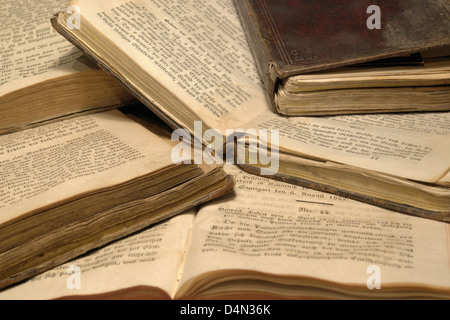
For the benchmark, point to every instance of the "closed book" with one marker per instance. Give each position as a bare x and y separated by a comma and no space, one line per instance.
301,38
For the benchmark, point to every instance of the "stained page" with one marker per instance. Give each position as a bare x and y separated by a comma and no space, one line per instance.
284,230
30,50
41,166
196,49
149,258
413,146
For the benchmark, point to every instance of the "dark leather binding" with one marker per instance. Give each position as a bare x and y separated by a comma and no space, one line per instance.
290,37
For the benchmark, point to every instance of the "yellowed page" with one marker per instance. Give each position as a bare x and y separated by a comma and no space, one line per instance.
196,49
31,51
445,181
412,146
285,230
149,258
51,163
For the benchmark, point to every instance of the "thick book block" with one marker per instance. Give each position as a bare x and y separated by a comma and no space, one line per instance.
266,240
43,77
73,186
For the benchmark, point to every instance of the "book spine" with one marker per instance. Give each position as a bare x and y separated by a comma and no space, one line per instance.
267,66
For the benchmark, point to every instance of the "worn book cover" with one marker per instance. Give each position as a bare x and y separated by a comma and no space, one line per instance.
296,37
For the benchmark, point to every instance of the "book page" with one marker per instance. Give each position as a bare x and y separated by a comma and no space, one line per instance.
412,146
196,48
55,162
285,230
429,123
148,258
31,50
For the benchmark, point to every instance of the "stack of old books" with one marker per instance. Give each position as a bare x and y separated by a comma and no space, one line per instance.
76,172
318,168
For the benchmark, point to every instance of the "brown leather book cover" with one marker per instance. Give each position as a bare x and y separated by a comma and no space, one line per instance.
291,37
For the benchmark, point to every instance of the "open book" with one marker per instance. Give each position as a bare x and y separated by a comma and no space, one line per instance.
75,185
43,77
189,62
400,162
293,40
267,239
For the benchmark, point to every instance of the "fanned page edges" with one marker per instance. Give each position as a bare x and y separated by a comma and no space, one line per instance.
113,177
